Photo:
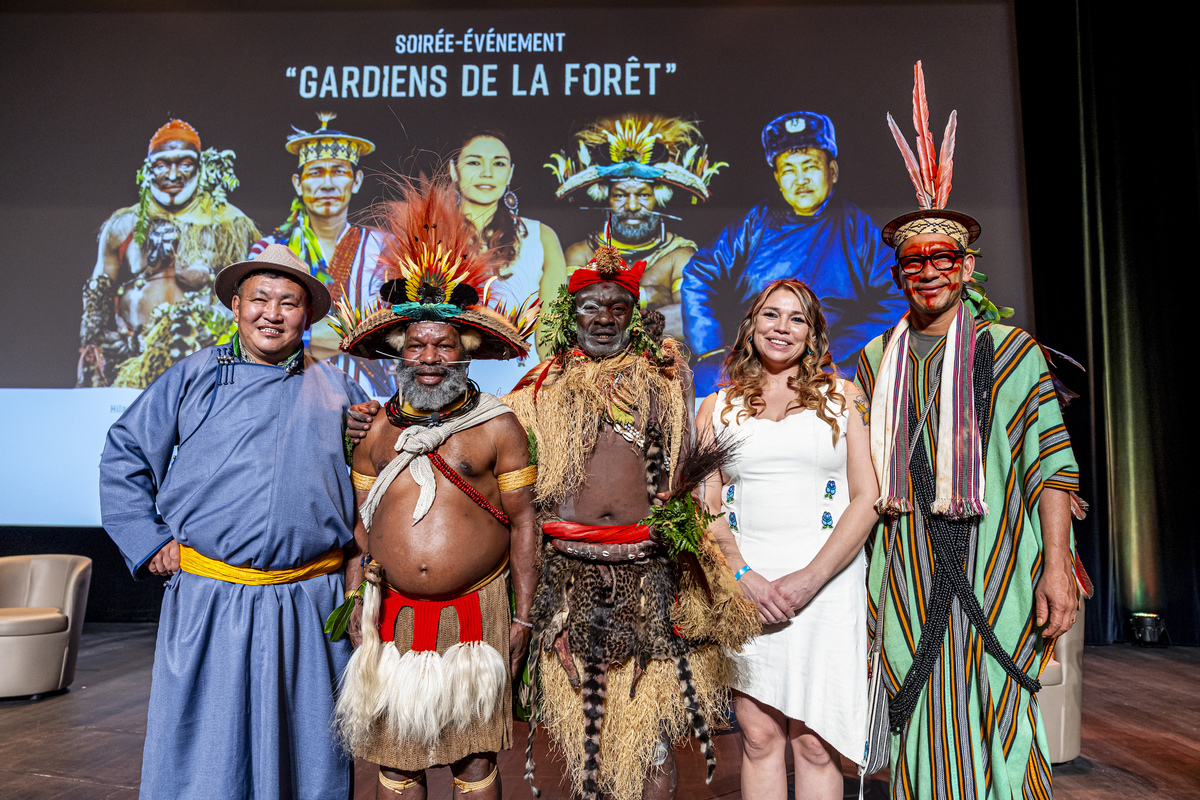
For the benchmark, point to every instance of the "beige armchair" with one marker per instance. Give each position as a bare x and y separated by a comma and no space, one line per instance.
1061,697
42,604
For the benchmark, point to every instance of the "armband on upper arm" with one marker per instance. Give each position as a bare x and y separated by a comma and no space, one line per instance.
519,479
362,482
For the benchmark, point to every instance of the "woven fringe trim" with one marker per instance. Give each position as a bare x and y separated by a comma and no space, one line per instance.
958,508
893,505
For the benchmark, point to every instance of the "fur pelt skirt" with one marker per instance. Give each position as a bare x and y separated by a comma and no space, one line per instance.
630,655
410,710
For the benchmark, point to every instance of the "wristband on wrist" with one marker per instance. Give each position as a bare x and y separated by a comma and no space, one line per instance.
523,623
737,576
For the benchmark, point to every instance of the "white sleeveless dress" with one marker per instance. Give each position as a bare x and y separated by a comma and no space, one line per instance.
788,491
523,278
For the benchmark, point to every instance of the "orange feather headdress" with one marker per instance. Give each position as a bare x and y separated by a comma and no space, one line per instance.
436,273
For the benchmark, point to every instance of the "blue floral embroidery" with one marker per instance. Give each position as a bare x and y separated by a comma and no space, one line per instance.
732,521
826,520
729,493
830,490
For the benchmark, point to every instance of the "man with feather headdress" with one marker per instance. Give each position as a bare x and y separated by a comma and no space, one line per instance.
149,301
343,256
973,572
809,233
632,166
443,485
634,602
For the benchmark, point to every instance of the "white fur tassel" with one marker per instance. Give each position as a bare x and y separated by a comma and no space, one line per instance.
475,677
413,696
355,711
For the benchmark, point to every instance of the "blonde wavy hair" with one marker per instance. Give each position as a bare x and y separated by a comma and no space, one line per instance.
813,384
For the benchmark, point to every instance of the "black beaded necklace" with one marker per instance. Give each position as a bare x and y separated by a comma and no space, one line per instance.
400,418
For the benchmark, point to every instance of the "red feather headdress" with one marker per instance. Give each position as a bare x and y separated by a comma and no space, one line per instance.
931,174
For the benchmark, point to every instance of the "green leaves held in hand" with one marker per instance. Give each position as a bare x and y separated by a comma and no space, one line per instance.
680,524
339,620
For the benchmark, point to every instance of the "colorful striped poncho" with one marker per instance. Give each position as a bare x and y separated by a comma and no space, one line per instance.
975,730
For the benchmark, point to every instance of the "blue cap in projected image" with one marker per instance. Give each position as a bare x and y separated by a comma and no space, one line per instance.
798,130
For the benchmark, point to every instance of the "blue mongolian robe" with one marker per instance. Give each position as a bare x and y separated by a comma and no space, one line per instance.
838,252
242,695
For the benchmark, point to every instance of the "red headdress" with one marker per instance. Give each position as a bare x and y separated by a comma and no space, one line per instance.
175,130
607,266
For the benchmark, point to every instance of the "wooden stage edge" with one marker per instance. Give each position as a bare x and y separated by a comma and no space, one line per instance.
1141,732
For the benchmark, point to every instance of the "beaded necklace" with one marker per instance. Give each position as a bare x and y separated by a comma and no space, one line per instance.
399,417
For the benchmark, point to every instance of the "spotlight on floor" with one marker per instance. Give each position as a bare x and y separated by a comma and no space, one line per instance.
1149,630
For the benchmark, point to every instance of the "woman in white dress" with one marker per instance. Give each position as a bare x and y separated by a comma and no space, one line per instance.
531,258
798,507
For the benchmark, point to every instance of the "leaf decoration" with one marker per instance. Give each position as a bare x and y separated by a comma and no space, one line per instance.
533,445
681,524
339,620
558,321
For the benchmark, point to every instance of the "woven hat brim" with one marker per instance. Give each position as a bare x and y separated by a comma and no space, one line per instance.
227,280
672,174
365,146
500,340
889,231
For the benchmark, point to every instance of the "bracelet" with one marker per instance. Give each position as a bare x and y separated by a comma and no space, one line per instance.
523,623
737,576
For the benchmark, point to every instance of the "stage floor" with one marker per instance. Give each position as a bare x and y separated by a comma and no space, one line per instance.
1141,732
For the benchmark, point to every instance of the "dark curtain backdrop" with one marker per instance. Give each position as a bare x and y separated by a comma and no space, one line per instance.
1110,114
1112,160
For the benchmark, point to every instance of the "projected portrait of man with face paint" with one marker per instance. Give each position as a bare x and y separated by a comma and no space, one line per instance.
343,256
149,300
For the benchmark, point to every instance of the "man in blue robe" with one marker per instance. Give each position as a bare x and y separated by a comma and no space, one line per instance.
817,237
249,519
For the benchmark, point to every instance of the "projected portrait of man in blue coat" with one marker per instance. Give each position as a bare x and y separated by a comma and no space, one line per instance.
815,236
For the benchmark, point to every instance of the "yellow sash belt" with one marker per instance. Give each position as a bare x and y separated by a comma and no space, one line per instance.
197,564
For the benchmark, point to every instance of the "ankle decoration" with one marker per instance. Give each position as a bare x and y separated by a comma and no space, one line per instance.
475,786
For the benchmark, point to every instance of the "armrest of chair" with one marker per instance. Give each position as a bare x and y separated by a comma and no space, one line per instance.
75,597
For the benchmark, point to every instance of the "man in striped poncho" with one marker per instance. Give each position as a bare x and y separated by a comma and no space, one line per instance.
976,471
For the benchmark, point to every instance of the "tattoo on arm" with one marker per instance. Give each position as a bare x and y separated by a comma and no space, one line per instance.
864,409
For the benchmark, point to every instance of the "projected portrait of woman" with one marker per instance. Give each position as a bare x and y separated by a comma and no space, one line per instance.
531,256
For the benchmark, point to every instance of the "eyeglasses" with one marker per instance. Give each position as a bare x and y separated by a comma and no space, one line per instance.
943,261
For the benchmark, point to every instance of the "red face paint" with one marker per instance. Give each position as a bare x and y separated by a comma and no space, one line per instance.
930,292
